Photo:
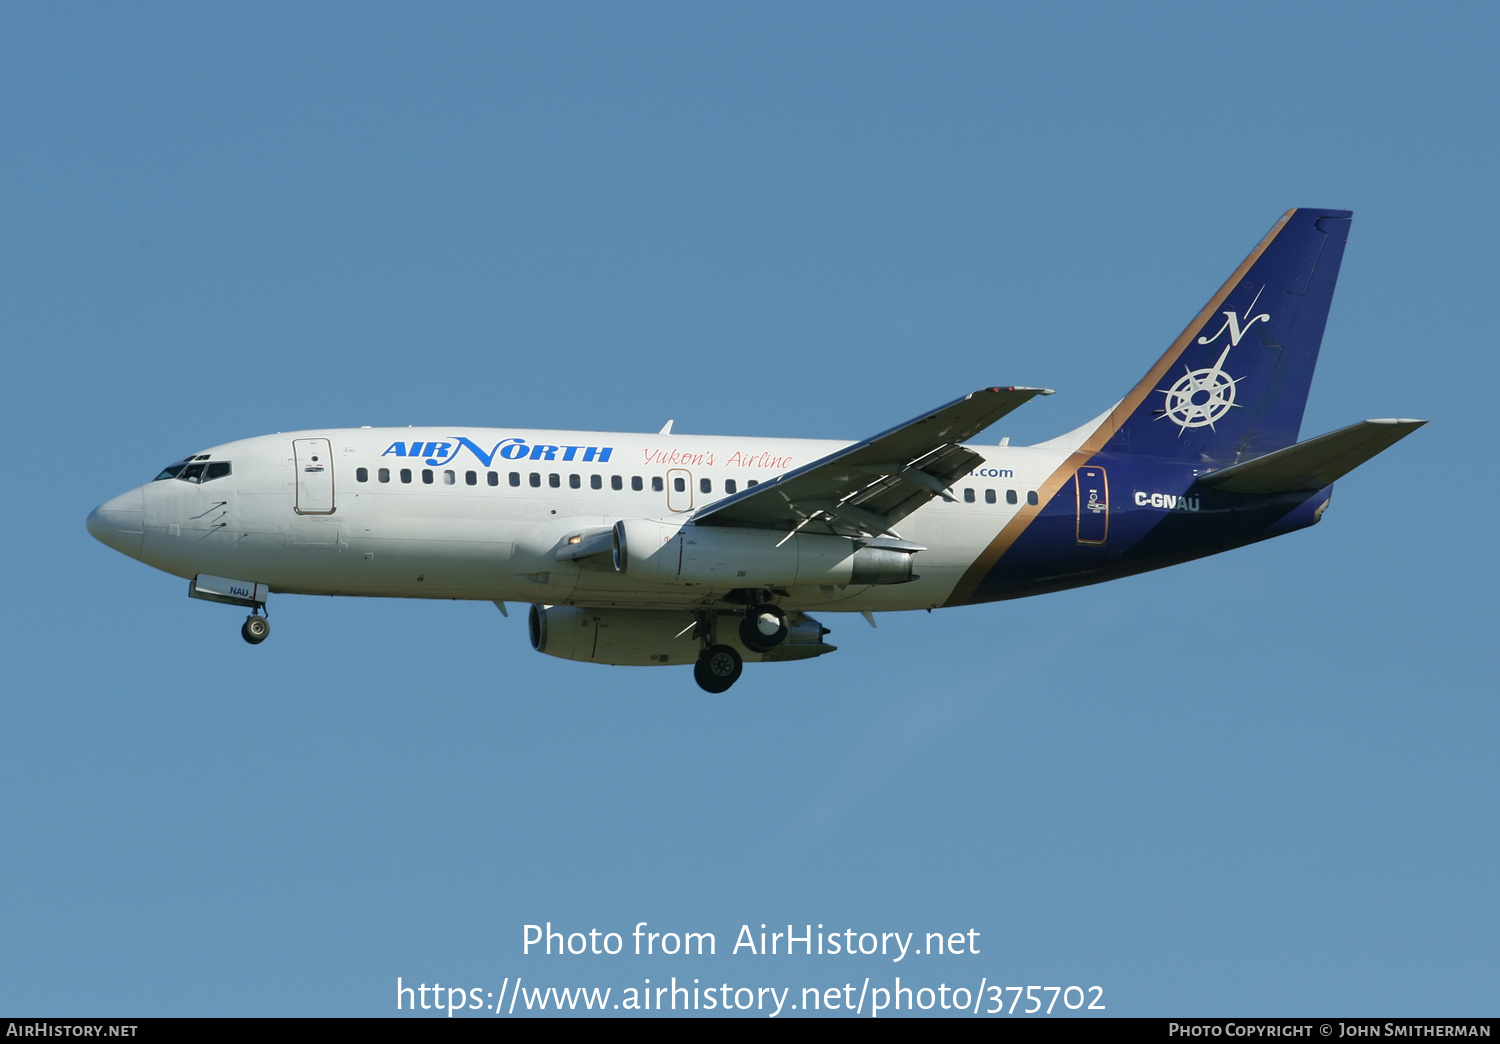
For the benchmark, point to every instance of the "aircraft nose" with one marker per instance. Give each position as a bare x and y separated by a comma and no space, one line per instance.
121,523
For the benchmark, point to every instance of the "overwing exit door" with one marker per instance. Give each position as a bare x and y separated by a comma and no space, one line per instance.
313,459
679,490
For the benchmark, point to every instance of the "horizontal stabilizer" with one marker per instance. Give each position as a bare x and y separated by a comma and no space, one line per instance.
1312,464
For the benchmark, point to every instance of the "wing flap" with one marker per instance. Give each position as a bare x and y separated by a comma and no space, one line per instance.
1315,463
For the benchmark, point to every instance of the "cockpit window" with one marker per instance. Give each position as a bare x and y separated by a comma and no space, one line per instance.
188,471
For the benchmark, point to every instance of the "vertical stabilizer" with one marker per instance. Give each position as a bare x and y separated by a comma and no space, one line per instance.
1234,384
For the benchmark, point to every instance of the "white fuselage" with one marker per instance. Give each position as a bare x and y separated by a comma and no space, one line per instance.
371,516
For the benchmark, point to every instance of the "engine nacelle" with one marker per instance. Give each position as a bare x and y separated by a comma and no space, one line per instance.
656,637
727,556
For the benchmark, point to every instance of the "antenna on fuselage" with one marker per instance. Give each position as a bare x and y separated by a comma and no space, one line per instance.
666,429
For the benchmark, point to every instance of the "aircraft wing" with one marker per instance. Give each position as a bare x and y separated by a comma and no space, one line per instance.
868,487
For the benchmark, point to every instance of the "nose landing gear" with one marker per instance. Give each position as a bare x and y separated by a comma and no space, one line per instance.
227,591
256,629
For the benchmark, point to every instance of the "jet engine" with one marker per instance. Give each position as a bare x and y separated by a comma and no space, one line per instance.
725,556
651,637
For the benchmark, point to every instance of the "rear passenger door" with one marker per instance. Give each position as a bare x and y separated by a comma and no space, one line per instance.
1093,505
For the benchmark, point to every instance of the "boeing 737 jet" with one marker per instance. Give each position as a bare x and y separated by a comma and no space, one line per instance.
664,549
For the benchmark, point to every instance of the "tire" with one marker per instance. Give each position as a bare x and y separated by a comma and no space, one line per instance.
753,628
718,668
255,629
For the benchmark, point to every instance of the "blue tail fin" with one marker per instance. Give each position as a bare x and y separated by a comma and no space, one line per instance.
1234,383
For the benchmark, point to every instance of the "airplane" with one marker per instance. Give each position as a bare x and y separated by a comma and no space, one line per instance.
672,549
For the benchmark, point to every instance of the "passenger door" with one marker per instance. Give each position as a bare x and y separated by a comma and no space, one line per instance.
1093,505
313,459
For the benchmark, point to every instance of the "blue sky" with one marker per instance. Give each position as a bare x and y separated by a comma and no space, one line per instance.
1263,783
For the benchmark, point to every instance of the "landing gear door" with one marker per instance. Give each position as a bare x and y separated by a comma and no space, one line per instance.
313,459
1093,505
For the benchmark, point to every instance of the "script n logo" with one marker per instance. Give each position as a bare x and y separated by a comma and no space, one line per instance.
1232,324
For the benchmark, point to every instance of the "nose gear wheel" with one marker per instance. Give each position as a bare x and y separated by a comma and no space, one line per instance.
255,629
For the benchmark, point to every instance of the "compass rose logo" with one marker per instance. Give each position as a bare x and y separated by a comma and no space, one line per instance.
1201,397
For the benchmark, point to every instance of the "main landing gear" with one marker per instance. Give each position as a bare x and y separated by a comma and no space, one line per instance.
761,629
256,629
718,668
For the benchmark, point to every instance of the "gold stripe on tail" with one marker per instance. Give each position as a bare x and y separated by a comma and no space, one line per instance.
964,590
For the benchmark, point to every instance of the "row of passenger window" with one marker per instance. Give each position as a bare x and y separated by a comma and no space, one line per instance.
575,481
1010,497
554,480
